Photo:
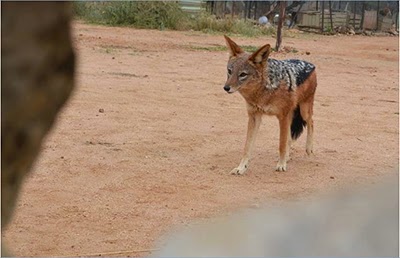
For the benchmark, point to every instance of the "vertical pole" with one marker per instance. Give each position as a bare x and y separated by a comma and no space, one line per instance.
377,17
316,6
339,5
250,5
397,19
323,16
330,14
245,10
362,16
282,6
354,14
214,7
211,6
224,8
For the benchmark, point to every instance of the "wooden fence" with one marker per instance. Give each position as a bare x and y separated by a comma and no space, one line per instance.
344,13
313,20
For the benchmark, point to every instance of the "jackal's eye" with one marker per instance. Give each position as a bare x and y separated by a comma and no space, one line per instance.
242,76
230,71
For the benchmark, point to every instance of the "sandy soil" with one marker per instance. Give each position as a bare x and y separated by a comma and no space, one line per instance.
160,154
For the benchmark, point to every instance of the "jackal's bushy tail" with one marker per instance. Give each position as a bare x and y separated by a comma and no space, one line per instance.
298,124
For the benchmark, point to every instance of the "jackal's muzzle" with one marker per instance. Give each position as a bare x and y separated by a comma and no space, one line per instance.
229,89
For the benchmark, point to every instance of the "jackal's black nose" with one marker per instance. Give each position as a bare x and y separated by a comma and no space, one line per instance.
227,88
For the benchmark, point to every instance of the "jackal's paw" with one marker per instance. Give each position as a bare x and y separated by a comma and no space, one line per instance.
309,148
280,167
238,171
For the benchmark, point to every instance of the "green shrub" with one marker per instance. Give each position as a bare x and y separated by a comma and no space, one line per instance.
150,15
163,15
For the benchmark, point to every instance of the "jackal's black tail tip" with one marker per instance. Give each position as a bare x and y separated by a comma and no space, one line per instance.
298,124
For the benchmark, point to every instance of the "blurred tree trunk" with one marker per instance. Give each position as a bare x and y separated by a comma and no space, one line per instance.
282,7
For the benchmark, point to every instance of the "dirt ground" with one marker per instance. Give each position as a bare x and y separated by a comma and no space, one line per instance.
148,139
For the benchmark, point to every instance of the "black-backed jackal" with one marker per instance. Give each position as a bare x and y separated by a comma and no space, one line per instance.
284,89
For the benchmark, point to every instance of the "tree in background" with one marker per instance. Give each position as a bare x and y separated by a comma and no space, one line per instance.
282,7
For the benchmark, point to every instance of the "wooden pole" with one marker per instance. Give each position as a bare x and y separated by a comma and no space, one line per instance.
316,6
282,5
330,14
323,16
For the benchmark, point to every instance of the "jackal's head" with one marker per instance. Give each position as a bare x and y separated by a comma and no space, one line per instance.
245,70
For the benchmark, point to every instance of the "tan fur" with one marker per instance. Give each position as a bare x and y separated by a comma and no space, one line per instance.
261,101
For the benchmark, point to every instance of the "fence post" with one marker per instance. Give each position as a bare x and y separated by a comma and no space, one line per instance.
330,14
362,16
354,14
377,17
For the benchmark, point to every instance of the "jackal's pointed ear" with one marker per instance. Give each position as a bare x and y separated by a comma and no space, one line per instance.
261,55
233,48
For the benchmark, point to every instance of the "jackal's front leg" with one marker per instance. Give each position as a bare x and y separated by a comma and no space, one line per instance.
252,129
284,134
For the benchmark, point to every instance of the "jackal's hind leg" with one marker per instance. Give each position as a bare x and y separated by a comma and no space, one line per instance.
289,146
306,109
